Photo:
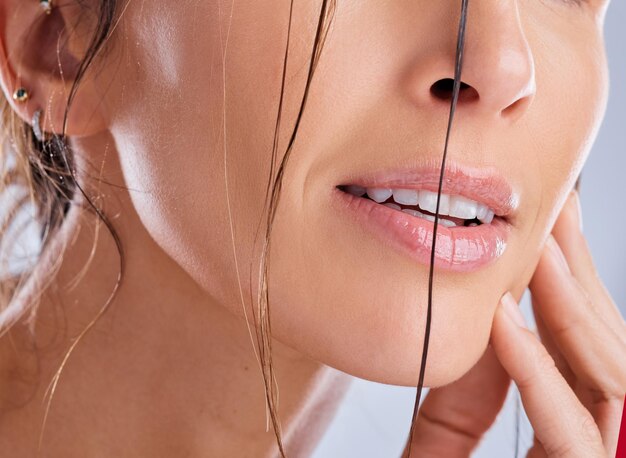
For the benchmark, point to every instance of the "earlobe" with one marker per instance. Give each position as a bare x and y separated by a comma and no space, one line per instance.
38,67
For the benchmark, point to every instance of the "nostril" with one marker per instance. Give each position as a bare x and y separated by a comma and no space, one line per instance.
442,90
519,106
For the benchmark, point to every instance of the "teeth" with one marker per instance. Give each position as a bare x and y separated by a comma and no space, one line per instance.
489,218
406,196
428,200
379,194
355,190
412,212
444,204
455,206
446,222
460,207
394,206
481,211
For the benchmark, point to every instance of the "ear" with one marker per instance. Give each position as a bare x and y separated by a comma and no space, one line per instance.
41,52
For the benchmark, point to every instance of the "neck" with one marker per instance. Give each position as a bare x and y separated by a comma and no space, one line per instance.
165,369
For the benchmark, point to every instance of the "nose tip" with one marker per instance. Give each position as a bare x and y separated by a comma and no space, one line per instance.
503,76
505,91
498,75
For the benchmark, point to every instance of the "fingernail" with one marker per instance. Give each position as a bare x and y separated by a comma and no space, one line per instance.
558,253
512,310
578,210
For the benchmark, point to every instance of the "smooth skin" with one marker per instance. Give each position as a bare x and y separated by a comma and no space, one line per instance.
184,99
571,377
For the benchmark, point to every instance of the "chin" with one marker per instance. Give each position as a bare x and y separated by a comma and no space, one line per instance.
394,357
446,363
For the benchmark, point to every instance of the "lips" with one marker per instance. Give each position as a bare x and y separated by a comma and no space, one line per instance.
460,246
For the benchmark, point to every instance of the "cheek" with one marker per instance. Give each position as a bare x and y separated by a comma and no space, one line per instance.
572,82
176,151
571,111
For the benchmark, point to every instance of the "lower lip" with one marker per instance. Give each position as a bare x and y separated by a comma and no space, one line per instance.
458,249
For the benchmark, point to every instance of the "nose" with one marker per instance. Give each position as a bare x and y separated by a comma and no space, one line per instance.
498,75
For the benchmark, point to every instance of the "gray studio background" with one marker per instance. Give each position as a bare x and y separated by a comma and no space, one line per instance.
374,420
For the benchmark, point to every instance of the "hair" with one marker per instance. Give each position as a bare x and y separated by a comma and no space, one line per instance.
44,168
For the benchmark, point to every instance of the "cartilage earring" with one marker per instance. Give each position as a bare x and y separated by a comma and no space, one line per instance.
39,135
46,5
21,95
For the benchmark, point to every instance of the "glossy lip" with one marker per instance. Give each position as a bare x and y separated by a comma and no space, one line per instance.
458,249
477,184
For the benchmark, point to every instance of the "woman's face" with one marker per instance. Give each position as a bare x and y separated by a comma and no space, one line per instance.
349,282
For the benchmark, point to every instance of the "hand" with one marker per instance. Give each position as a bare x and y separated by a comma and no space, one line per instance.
453,418
572,382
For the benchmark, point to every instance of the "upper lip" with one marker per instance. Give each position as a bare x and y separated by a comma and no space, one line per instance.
482,184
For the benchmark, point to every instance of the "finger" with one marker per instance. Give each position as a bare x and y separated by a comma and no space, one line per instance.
537,450
606,417
453,418
561,423
548,342
595,354
593,351
568,234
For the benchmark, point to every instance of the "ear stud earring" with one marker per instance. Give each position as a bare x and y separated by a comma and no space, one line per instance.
21,95
46,5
